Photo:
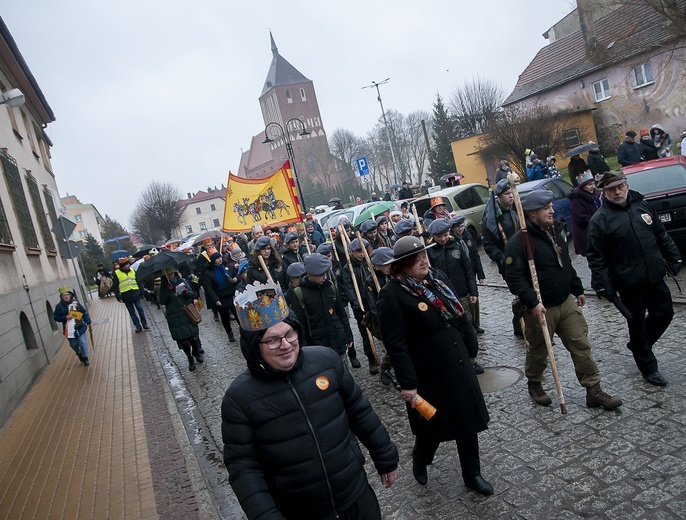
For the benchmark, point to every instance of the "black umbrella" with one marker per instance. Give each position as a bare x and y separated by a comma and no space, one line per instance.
143,250
334,199
212,233
162,260
119,253
583,148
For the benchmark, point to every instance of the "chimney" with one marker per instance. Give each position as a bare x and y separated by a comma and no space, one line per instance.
587,25
189,195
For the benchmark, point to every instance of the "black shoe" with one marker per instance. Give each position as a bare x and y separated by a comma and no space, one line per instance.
139,328
355,362
199,358
479,330
386,377
419,471
519,333
373,368
480,485
655,379
478,368
232,338
146,327
86,362
191,364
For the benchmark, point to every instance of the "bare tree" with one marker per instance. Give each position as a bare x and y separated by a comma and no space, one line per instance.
520,128
416,143
474,105
142,226
346,147
157,211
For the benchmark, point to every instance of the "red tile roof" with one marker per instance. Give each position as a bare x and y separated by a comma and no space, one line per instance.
623,33
203,196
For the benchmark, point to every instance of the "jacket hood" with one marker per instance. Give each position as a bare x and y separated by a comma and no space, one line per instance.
659,127
251,350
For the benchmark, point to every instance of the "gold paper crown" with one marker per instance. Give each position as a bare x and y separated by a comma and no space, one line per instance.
260,306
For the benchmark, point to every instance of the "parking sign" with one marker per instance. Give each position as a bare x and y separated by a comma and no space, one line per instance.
362,166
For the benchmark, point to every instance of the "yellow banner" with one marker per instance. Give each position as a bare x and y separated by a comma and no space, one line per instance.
272,201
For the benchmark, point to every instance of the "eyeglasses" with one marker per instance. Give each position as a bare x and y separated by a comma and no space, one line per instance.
273,343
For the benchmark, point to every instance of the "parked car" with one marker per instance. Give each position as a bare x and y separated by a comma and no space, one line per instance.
663,183
561,203
351,213
467,199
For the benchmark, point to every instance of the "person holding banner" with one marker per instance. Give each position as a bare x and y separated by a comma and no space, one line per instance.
562,293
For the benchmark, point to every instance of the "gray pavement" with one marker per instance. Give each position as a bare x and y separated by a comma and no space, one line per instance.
588,463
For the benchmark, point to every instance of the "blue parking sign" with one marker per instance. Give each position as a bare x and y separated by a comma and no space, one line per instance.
362,166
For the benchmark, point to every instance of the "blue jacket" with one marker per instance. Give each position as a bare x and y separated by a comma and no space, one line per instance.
61,311
535,172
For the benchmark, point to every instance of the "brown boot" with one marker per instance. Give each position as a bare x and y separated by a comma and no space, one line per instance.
596,397
538,394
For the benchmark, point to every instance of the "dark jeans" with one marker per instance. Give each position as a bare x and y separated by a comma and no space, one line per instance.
467,449
365,508
644,330
224,314
134,306
367,347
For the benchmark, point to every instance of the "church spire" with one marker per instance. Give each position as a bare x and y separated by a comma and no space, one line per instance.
275,49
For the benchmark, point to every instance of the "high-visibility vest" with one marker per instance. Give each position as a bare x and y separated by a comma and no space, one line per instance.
127,281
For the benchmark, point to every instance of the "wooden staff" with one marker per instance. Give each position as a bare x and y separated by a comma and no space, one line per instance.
513,178
333,246
307,243
260,258
418,224
369,262
346,243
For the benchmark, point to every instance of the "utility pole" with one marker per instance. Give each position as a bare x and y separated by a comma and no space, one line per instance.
428,150
385,122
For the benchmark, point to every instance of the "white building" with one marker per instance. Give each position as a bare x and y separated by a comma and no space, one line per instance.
202,211
87,218
31,268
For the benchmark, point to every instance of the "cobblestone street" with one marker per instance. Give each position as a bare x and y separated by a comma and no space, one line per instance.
588,463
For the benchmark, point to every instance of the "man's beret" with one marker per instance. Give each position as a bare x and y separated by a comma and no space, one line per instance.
439,226
502,186
325,249
368,226
355,245
295,270
290,237
381,219
537,199
457,220
382,256
403,226
262,242
316,264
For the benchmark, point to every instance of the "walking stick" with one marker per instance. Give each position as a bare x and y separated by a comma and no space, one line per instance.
513,178
417,224
369,263
90,332
344,238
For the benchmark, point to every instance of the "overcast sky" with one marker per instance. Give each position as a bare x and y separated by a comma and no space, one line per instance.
168,90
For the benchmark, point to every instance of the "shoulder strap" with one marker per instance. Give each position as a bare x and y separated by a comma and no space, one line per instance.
299,295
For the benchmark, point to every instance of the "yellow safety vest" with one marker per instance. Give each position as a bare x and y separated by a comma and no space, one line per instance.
127,281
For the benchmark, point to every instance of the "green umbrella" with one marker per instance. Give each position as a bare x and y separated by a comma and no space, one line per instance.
374,211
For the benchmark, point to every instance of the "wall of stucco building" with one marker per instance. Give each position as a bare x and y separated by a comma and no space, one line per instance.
208,216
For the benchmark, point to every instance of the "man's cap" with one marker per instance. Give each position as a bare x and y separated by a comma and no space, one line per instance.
325,249
631,133
295,270
316,264
403,226
215,255
533,156
64,289
611,179
537,199
439,226
262,242
355,245
242,267
290,237
368,226
381,219
457,220
437,201
502,186
408,246
382,256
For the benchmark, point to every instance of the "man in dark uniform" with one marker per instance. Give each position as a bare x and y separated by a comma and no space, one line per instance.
559,287
405,192
629,252
468,238
498,224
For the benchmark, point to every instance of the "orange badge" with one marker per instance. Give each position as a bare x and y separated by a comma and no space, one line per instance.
322,382
423,306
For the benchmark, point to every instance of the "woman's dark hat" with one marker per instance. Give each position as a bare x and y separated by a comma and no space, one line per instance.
408,246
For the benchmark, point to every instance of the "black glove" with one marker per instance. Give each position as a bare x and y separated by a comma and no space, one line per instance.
607,292
673,268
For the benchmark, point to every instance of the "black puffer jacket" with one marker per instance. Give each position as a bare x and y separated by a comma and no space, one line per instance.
290,443
324,317
556,276
453,260
628,245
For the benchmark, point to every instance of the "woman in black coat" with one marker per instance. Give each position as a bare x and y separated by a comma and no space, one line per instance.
174,295
576,167
220,288
421,323
272,260
585,201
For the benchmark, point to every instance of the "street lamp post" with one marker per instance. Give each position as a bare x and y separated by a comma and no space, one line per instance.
273,130
385,122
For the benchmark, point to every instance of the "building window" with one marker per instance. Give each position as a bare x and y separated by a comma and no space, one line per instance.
215,222
197,211
571,138
302,94
5,233
78,218
289,99
189,229
203,227
83,233
10,112
21,207
642,75
601,89
43,148
213,207
40,214
28,133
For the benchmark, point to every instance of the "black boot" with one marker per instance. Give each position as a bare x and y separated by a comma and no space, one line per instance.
352,355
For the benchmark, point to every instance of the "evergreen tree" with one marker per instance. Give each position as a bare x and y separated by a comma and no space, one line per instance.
442,131
94,250
111,228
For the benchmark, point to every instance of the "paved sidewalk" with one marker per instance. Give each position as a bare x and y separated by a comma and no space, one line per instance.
78,446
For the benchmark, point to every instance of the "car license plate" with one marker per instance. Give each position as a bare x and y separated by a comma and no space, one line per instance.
665,217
